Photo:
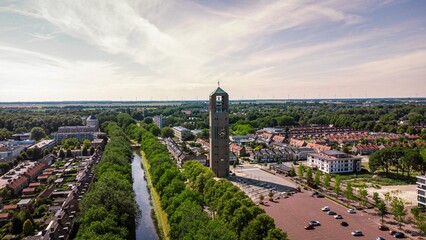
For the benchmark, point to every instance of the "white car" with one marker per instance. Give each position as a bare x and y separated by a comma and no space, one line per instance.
351,210
338,216
357,233
314,223
326,208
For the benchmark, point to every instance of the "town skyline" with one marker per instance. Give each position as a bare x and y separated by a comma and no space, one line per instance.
163,50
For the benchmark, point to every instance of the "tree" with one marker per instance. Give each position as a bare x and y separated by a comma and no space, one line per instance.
148,120
271,195
317,177
16,225
91,150
5,134
37,133
327,180
349,192
85,152
292,172
376,198
69,153
261,198
420,219
28,228
337,184
167,132
309,174
276,234
61,153
300,170
382,209
258,228
398,210
87,143
363,196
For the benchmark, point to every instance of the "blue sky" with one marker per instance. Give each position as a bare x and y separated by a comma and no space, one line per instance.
164,50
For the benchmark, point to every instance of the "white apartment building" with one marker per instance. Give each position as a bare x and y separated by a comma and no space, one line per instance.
421,191
180,132
334,161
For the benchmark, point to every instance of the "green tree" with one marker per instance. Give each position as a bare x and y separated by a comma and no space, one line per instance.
363,196
28,228
84,151
276,234
309,174
337,184
261,198
317,177
376,198
271,195
5,134
292,172
61,153
15,225
37,133
167,132
382,209
148,120
69,153
349,192
87,143
300,170
420,219
327,180
398,210
91,150
258,228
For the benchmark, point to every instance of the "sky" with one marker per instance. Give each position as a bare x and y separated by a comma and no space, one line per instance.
65,50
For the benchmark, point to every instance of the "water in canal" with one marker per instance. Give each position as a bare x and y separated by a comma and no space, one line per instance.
146,229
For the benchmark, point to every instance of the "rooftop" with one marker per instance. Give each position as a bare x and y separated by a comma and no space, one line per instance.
218,91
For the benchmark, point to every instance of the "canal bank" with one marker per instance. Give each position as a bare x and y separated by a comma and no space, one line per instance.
160,216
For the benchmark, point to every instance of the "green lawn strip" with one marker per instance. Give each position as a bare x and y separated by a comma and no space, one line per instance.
155,198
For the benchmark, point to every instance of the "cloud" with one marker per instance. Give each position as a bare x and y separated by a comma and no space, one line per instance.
183,47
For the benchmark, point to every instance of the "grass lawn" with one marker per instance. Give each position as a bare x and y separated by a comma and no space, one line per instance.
376,180
155,198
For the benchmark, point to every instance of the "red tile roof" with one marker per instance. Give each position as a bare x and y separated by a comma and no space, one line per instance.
18,182
10,207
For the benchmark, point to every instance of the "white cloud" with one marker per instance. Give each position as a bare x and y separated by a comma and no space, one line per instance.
184,47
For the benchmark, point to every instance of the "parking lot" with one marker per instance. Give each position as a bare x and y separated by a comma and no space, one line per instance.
293,213
255,182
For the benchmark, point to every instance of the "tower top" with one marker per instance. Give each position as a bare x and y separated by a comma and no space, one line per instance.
218,91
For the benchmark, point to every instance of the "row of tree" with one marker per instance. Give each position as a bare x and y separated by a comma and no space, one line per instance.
203,208
108,209
402,159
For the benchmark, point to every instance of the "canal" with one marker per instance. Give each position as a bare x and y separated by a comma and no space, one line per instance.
146,229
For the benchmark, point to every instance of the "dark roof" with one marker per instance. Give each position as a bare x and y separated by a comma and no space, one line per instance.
91,117
218,91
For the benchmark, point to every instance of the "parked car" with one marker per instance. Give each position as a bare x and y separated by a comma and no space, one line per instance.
314,223
398,235
380,238
331,213
357,233
326,208
344,224
338,216
309,227
383,228
351,211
